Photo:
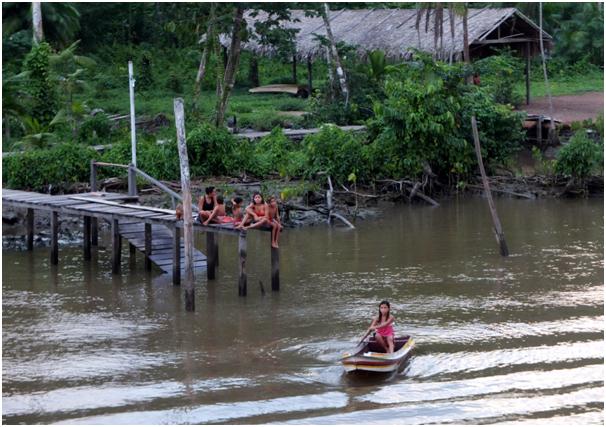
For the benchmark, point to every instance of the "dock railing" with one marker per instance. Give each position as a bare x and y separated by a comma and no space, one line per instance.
133,171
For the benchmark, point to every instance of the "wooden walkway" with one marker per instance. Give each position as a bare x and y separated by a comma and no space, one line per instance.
154,231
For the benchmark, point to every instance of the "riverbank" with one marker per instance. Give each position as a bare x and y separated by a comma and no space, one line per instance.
305,204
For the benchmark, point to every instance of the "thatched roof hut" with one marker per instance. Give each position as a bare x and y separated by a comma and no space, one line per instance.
394,32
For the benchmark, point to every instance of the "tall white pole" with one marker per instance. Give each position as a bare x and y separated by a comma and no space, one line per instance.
133,134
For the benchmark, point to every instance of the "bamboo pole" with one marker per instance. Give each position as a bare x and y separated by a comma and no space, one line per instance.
188,225
500,236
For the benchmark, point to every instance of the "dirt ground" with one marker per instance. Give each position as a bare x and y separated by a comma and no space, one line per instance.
569,108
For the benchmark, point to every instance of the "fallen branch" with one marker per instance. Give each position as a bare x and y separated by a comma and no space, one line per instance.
347,190
336,215
494,190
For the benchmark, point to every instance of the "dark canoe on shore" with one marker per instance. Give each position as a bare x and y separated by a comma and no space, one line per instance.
369,356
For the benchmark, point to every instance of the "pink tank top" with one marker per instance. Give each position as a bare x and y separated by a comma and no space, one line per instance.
385,331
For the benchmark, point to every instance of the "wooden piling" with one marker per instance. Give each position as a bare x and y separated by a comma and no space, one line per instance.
500,236
211,255
86,238
148,246
54,249
188,224
217,250
93,188
132,181
275,269
29,224
242,281
176,256
116,246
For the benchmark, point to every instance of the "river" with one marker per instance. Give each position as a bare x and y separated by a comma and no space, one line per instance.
499,340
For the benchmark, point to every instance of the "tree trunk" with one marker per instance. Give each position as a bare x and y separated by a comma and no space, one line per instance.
466,56
232,65
253,74
498,230
205,53
335,56
188,226
552,135
37,22
451,17
331,74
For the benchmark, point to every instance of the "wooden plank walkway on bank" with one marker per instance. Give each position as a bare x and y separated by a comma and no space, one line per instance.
154,231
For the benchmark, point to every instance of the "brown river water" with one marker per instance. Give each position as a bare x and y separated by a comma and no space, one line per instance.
499,340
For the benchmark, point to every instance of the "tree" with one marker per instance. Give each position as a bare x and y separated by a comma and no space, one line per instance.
61,21
334,55
37,22
552,135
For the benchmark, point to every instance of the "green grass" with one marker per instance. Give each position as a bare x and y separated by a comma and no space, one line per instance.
564,85
259,111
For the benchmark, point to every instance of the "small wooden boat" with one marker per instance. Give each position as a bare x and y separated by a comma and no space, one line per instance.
370,356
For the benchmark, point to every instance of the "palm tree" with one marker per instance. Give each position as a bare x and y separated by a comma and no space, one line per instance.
61,21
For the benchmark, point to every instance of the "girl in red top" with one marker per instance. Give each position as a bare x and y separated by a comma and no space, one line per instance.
383,326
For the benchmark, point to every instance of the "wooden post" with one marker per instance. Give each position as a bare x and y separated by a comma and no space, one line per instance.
54,249
217,250
500,236
294,69
309,76
29,224
275,269
242,281
116,247
176,256
132,253
132,181
188,223
148,246
93,188
527,73
210,256
540,130
254,70
86,238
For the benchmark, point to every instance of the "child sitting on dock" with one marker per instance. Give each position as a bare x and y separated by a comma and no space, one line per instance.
206,204
273,215
383,326
236,210
218,216
256,214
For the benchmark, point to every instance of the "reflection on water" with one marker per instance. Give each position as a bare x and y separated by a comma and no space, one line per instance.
498,340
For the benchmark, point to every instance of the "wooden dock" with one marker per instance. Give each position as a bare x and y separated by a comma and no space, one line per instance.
154,231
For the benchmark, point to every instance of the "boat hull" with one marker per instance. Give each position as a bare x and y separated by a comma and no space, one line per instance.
362,359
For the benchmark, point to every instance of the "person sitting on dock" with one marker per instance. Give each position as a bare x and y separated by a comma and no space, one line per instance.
256,213
218,216
206,203
236,210
383,326
273,215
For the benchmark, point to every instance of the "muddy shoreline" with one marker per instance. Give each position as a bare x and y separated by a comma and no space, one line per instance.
309,209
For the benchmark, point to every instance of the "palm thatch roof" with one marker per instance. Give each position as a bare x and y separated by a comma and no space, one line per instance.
394,31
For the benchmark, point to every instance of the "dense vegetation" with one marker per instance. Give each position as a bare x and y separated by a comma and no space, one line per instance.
418,113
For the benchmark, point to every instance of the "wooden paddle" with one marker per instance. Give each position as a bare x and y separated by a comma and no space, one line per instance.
364,337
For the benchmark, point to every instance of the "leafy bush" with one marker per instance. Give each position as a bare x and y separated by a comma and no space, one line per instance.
95,128
425,119
338,153
274,153
212,151
36,169
580,157
40,85
500,73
